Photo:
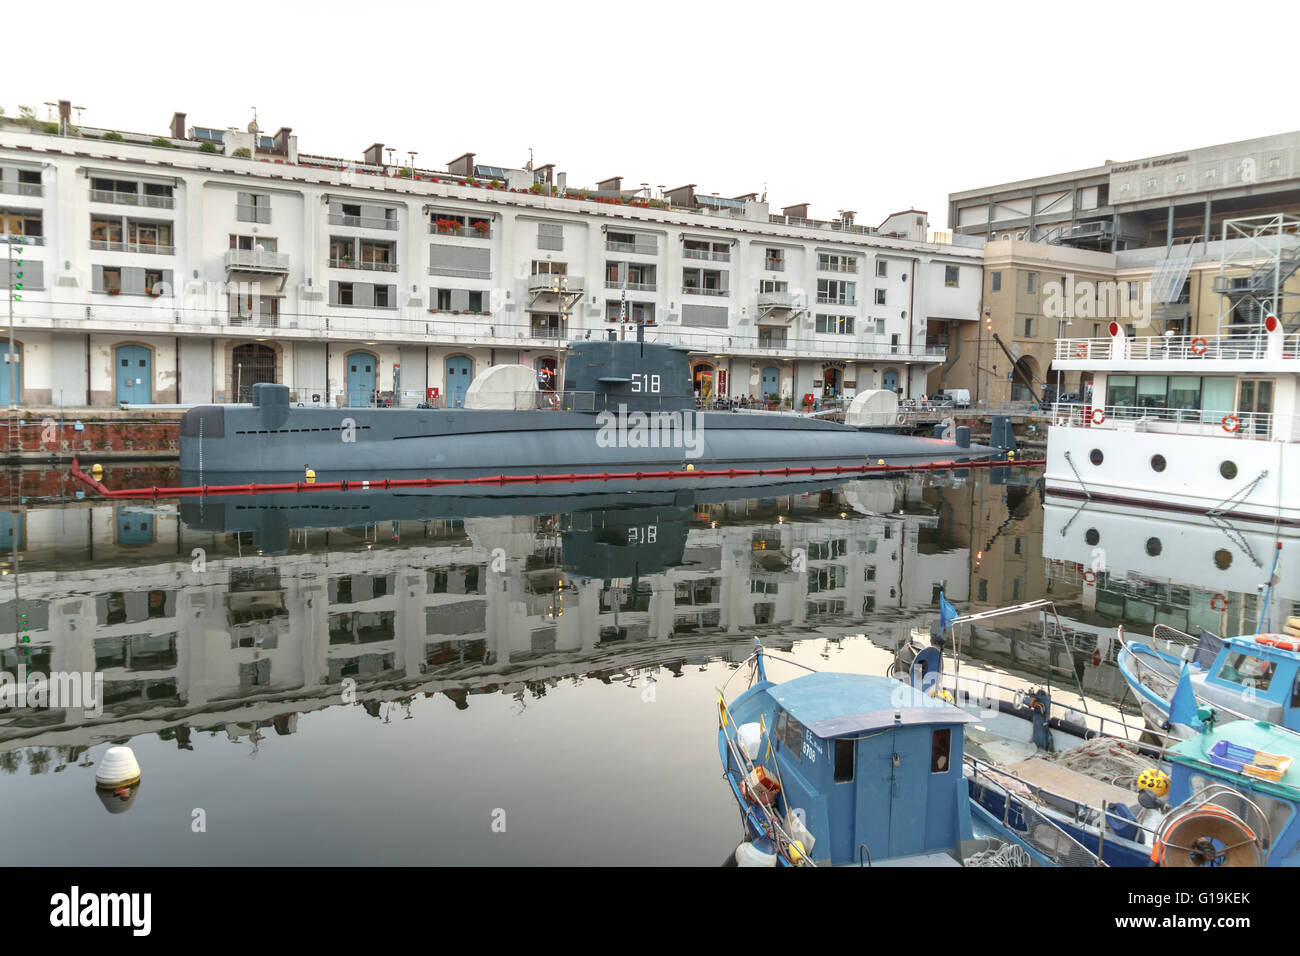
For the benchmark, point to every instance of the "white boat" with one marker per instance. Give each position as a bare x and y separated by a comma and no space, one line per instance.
1198,424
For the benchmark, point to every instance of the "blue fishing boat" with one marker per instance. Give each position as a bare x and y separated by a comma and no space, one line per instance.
1251,677
853,769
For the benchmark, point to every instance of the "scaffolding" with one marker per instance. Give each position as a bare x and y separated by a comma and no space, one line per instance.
1260,256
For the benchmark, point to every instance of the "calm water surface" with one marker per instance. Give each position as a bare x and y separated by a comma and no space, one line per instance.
413,679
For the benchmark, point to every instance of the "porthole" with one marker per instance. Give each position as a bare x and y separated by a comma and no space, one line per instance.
1096,457
1223,559
1091,536
1154,547
1228,469
1158,462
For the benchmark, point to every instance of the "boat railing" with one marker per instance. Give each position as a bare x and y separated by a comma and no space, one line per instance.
563,401
1027,820
985,694
1218,423
1166,347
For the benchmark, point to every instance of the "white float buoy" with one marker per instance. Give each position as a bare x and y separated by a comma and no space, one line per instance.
118,768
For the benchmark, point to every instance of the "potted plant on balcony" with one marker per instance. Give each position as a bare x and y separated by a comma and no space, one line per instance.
113,291
447,225
482,227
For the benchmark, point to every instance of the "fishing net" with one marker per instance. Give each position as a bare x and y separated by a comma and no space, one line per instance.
1117,762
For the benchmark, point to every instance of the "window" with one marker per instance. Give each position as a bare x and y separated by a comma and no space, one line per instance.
772,285
550,236
476,301
983,590
249,243
19,222
384,296
253,207
1031,280
112,280
940,747
1029,328
880,326
835,291
548,268
830,262
844,748
774,259
104,232
880,297
442,300
1256,672
869,572
835,324
345,293
996,281
1228,469
882,268
791,735
951,275
153,278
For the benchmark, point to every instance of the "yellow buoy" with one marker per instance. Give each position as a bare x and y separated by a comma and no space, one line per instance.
880,462
97,471
1155,781
1011,456
690,467
311,477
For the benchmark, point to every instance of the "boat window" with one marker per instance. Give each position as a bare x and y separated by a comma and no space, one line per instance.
793,737
940,743
1096,457
1249,671
1295,693
844,747
1158,463
778,728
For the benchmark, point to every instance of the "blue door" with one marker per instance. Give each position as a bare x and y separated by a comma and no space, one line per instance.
134,373
460,372
6,369
771,382
890,381
11,530
361,378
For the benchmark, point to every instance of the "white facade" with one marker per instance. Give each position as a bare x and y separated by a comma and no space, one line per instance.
338,281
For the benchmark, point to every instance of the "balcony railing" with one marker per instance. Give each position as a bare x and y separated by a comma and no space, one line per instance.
1177,347
251,260
776,300
367,264
549,332
362,222
738,342
833,300
703,290
23,240
638,248
469,232
255,320
774,265
632,286
458,273
706,254
22,189
570,285
132,199
152,248
1256,426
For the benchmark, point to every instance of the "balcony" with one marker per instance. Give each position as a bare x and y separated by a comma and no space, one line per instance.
569,285
774,265
361,222
22,189
254,261
18,240
467,232
258,320
632,286
835,300
703,290
150,248
636,248
132,199
366,264
706,254
777,300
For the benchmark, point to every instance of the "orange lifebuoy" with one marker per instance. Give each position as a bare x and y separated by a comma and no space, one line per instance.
1081,351
1219,603
1098,416
1231,423
1199,345
1281,642
1089,577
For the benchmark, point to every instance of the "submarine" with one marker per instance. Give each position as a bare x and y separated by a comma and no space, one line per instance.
624,407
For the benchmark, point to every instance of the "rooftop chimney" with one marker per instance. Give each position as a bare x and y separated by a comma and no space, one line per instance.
374,156
65,113
462,165
612,185
799,211
178,126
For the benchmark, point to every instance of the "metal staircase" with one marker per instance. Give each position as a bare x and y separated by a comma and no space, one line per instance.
1261,254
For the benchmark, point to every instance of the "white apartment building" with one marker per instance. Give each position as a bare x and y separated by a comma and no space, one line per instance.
185,268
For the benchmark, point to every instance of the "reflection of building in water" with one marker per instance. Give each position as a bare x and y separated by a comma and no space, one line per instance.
1186,571
196,627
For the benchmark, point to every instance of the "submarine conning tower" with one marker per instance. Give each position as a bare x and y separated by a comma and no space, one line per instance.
638,375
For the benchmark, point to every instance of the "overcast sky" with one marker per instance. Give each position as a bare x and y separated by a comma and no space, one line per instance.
844,106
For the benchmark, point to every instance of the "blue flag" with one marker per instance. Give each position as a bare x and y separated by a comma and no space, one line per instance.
1182,706
947,613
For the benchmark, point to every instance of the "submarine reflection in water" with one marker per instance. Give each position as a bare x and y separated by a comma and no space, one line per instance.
259,608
